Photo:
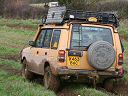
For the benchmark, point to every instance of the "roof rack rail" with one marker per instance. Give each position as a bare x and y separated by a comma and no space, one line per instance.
59,15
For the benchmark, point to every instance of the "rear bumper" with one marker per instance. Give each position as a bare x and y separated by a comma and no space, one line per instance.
90,73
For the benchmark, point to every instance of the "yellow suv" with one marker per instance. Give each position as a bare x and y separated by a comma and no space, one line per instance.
75,44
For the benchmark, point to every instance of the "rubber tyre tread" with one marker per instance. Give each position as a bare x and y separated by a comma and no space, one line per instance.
25,73
54,82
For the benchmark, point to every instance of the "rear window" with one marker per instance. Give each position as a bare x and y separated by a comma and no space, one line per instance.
84,36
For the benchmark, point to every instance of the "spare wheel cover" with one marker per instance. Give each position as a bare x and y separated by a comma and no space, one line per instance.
101,55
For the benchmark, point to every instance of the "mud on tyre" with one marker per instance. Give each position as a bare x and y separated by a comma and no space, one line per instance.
51,81
25,72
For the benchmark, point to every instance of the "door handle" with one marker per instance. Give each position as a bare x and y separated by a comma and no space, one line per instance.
45,53
37,52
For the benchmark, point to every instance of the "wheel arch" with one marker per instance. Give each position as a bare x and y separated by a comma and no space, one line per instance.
22,59
46,64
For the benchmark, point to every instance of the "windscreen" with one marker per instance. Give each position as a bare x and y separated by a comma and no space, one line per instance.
84,36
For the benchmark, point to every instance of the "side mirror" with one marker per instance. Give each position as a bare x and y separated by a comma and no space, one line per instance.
32,43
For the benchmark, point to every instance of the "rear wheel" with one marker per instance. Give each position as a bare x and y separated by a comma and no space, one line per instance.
25,73
51,81
108,84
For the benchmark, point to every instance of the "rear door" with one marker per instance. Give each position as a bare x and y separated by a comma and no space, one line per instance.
76,58
80,39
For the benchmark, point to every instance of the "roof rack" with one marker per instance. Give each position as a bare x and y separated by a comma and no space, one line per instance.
60,15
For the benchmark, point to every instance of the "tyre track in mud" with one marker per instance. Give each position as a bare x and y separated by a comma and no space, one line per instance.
121,88
13,71
11,57
10,70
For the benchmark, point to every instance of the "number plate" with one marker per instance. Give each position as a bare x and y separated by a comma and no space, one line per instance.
74,60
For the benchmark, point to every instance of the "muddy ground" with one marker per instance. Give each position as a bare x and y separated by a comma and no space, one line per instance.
120,88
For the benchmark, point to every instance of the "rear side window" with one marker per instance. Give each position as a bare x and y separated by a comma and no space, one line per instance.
55,38
47,38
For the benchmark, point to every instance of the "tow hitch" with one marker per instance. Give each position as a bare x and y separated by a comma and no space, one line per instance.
94,78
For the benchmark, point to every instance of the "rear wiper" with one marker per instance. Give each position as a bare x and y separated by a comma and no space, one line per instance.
80,46
83,46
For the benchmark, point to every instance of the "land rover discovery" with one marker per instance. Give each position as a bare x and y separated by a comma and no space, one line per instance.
73,44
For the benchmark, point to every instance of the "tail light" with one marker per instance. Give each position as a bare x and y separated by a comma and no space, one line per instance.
61,55
120,58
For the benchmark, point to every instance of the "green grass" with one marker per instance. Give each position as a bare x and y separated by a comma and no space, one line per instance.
123,29
13,39
125,43
14,85
14,22
11,63
82,90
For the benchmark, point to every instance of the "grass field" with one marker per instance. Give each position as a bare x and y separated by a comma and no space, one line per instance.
14,35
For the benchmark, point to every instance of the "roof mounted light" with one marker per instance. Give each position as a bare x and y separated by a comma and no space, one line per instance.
92,19
71,16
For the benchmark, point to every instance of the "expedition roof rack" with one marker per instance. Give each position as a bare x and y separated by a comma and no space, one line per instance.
60,15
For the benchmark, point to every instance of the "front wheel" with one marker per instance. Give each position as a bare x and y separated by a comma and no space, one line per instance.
25,73
51,81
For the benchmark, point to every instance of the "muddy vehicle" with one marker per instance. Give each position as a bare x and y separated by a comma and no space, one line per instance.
73,44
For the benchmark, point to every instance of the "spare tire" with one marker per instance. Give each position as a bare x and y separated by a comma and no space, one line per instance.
101,55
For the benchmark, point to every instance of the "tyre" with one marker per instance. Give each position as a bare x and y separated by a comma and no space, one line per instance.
51,81
25,73
101,55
